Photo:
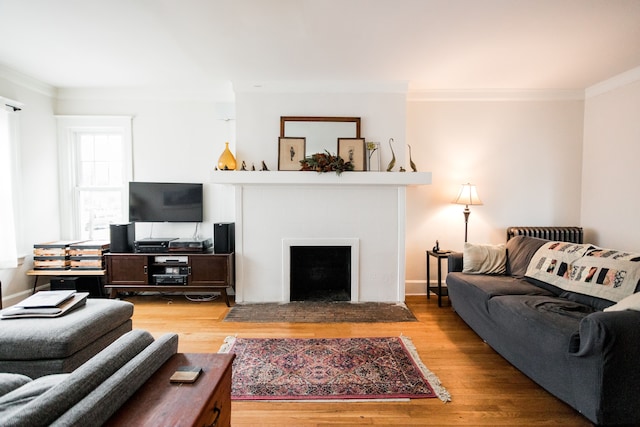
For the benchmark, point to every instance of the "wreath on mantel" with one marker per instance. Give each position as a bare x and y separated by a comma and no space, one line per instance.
325,162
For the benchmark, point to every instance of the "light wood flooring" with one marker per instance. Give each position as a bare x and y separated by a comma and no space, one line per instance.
486,390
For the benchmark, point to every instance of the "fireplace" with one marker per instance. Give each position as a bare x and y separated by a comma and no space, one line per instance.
320,269
320,273
276,210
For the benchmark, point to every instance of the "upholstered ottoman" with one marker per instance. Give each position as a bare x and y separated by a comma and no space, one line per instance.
43,346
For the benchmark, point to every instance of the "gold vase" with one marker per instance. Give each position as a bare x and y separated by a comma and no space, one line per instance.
226,160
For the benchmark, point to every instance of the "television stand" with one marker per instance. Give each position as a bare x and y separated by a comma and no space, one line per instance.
174,272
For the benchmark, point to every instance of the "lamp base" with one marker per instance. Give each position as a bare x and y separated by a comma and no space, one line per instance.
466,213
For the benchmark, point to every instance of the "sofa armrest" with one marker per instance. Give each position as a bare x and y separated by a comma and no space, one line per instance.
48,406
606,364
454,262
104,400
607,331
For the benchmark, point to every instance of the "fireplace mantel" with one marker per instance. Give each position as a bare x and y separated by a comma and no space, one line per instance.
275,207
313,178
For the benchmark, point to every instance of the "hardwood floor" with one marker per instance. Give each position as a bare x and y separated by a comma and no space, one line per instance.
486,390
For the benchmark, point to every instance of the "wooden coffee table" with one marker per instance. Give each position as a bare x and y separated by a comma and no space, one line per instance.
161,403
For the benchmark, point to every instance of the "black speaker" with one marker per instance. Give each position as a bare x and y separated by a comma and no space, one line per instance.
122,237
224,237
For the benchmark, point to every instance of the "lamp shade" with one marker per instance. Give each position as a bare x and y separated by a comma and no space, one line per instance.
468,195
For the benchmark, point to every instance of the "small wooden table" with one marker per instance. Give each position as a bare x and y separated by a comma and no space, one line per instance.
440,290
87,273
207,402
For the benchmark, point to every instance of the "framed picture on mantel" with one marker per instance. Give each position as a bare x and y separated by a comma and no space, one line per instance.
290,153
352,150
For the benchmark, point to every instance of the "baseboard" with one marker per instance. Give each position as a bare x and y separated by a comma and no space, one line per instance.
415,287
16,297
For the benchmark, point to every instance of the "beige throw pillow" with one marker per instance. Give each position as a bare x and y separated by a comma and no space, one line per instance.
484,259
632,302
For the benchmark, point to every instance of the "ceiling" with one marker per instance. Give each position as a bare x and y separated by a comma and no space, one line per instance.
427,44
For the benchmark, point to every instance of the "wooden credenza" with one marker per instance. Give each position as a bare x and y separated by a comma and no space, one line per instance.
196,272
207,402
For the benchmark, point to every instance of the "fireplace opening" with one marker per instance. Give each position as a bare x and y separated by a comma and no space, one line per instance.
320,273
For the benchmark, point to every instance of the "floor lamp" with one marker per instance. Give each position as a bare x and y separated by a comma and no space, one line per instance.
468,196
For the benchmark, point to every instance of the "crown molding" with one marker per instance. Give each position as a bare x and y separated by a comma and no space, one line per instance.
219,91
320,86
614,82
496,95
27,82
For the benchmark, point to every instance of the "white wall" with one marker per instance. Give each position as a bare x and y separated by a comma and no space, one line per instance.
524,156
258,120
611,170
37,219
175,139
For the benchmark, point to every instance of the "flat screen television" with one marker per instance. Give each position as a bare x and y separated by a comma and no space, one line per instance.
165,202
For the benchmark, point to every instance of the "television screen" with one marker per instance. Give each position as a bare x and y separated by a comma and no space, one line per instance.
165,202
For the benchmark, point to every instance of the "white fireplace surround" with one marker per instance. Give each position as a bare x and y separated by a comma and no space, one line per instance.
352,243
275,210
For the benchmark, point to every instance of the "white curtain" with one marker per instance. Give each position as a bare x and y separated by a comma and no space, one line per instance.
8,131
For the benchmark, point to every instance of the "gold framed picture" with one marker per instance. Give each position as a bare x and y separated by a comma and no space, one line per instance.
353,150
290,152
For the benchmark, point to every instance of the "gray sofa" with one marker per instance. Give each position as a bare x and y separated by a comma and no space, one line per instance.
563,340
90,394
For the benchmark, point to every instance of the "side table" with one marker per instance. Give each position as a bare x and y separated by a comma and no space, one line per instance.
440,291
98,274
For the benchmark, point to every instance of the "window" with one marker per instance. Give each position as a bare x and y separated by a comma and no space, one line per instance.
8,182
95,170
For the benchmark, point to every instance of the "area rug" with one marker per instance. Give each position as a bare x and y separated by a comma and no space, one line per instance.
320,312
329,369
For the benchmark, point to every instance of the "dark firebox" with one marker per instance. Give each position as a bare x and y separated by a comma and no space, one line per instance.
320,273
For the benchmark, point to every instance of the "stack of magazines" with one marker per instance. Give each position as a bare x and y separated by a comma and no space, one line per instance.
46,304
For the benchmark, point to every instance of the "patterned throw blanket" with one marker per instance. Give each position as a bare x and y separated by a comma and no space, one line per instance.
586,269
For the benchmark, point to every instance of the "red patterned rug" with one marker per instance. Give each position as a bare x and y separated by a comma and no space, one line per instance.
332,368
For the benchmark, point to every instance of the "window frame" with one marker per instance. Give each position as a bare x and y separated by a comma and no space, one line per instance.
11,256
69,129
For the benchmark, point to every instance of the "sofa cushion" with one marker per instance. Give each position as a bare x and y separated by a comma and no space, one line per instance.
597,303
60,337
484,259
537,333
10,382
41,367
520,250
485,286
632,302
547,313
13,401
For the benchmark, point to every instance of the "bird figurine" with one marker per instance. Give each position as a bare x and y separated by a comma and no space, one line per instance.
264,166
413,165
392,163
